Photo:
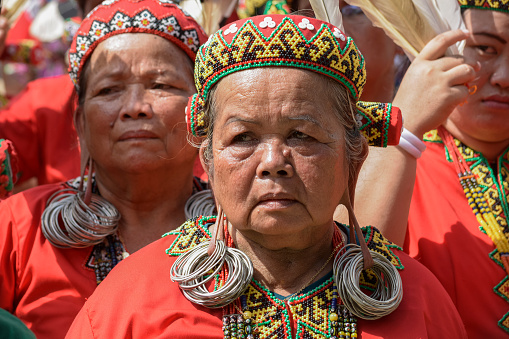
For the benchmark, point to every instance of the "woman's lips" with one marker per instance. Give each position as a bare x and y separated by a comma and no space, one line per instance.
276,200
137,135
496,102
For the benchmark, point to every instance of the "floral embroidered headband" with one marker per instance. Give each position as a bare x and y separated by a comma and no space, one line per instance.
290,41
159,17
494,5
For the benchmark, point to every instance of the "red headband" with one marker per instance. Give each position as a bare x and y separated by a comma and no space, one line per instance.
159,17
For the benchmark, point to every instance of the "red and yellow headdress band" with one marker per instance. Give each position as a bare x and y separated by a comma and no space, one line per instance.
159,17
290,41
494,5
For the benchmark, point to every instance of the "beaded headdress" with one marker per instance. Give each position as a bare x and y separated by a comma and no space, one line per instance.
290,41
494,5
159,17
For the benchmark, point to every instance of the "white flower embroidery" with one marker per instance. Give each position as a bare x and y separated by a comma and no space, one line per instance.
358,118
267,22
231,30
305,24
337,33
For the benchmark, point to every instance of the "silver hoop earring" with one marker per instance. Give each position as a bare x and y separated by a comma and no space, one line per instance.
200,203
347,269
87,218
192,270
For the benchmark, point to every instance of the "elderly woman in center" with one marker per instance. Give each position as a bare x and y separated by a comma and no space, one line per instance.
276,105
132,65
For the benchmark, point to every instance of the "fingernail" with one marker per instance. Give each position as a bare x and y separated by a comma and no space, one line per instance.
466,31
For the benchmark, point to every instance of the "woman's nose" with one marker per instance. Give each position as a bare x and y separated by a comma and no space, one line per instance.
275,161
136,104
500,76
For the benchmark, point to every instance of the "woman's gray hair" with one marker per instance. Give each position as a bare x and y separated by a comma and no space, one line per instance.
344,107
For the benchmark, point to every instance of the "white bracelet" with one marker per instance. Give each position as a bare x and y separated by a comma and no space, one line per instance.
409,148
415,141
411,144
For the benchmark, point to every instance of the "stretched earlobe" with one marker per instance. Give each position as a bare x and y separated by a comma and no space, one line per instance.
205,162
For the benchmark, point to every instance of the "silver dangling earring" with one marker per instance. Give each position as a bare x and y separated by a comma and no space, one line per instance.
348,267
200,203
86,217
194,269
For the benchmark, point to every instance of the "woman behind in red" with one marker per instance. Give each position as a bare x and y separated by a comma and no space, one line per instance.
131,63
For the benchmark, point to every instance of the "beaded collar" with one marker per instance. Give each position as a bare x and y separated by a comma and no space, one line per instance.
317,313
493,187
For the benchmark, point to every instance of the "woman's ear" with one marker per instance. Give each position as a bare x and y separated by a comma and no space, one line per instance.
79,122
205,163
79,125
355,170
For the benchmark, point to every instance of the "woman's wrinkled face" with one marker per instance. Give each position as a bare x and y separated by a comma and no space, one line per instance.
279,163
137,86
485,116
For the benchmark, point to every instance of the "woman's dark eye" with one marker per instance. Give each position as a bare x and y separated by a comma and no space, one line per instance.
298,135
487,49
105,91
244,137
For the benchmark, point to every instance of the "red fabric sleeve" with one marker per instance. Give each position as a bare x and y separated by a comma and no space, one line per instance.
39,123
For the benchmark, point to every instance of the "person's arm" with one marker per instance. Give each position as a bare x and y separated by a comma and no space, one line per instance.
18,124
432,87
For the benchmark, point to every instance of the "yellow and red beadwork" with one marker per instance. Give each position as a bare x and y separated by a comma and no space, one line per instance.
494,5
289,41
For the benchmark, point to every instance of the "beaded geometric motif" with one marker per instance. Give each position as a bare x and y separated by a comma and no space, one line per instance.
495,189
105,256
374,121
310,312
189,234
432,136
275,40
494,5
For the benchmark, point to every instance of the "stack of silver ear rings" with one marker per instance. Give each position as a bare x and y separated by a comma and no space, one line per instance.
195,269
348,268
86,218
